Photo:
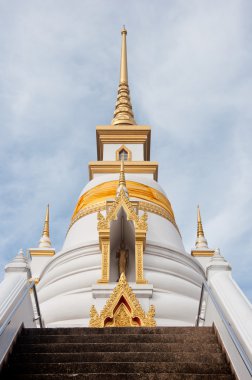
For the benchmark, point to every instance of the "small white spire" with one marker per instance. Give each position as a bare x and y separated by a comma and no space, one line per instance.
45,241
18,264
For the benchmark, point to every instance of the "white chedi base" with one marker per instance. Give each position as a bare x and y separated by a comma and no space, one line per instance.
69,287
67,284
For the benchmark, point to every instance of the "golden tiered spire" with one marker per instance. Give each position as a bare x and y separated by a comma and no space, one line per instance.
123,110
200,232
122,181
45,241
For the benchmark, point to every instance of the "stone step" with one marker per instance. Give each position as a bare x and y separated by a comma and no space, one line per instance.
121,376
103,367
217,358
118,347
118,338
118,330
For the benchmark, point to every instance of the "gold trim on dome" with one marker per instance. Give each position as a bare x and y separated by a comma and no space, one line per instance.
202,252
142,206
123,147
42,251
108,167
122,309
107,190
122,201
149,207
88,210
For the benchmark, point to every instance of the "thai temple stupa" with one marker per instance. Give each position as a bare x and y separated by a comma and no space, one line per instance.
123,264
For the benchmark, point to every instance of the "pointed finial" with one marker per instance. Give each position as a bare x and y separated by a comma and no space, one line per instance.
123,111
122,181
124,66
45,241
46,224
200,231
201,241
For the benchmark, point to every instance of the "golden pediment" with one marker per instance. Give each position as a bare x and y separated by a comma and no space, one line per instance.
122,309
122,201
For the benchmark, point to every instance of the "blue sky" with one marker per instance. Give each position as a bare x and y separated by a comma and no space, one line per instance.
190,66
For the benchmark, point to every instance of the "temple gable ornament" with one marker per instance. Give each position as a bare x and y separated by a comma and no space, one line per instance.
122,309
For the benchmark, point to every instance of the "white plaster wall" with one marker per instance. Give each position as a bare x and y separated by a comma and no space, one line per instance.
13,292
236,307
65,289
109,151
160,230
212,316
37,264
203,260
82,231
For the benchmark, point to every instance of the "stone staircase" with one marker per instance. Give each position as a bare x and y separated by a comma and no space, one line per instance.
117,353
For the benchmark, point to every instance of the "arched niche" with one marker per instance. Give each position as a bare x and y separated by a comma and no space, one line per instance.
121,206
122,231
123,153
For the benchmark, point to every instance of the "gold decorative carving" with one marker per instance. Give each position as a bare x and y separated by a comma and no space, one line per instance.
138,205
150,207
102,222
107,190
140,224
122,309
105,248
123,201
88,210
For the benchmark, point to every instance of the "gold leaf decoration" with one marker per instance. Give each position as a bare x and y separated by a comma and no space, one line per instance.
122,309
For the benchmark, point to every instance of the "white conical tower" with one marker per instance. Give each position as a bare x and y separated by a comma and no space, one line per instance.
42,254
201,249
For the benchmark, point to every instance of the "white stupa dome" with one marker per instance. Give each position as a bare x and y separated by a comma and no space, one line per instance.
83,227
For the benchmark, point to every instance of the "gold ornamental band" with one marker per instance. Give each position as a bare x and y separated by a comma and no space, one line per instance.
95,199
107,190
142,206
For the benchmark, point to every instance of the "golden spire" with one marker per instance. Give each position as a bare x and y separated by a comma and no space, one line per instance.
122,181
123,110
201,241
200,231
45,241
